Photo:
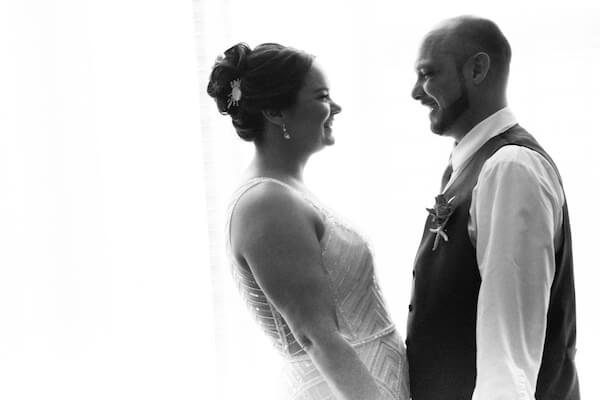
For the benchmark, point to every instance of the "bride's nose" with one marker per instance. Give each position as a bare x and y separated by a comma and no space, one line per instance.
335,108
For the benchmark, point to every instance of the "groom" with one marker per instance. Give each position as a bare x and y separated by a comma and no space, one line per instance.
492,314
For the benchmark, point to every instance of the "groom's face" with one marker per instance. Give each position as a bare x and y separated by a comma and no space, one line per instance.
440,85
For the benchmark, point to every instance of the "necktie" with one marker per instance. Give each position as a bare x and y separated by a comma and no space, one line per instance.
446,176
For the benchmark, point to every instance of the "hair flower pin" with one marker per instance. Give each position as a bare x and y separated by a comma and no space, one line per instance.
440,214
236,93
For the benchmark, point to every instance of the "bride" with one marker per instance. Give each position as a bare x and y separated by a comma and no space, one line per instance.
307,277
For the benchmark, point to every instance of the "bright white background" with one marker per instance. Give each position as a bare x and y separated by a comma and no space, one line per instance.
115,169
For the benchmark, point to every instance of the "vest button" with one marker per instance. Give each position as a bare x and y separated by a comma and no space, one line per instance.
413,273
410,308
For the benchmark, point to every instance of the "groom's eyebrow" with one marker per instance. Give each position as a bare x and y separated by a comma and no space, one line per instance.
320,89
423,64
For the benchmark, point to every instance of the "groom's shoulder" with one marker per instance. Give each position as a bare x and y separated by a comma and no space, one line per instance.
514,157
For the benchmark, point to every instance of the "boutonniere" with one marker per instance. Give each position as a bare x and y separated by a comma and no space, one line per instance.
440,214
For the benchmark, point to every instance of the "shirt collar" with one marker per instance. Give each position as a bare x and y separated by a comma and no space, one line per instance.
490,127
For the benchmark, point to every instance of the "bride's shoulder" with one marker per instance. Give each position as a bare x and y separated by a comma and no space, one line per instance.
268,211
270,201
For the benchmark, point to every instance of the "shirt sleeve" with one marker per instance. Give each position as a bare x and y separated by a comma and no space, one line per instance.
515,217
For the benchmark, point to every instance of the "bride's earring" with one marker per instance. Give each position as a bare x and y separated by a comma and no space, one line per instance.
286,134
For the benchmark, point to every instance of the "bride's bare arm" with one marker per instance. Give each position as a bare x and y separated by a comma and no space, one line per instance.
276,233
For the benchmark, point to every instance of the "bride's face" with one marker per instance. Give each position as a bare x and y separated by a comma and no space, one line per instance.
309,121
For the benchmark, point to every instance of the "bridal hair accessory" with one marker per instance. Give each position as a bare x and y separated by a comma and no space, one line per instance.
286,134
440,214
236,93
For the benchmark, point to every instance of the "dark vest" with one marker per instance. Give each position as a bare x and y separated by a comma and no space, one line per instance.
441,323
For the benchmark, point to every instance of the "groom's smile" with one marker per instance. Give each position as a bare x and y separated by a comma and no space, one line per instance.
433,108
431,104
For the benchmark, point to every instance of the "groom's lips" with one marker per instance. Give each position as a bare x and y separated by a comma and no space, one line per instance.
430,103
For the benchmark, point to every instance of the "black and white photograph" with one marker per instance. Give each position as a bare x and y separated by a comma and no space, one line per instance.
282,200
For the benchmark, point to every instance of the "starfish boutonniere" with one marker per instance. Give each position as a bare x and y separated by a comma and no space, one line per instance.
440,214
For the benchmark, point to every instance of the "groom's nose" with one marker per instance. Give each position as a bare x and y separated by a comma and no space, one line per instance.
417,91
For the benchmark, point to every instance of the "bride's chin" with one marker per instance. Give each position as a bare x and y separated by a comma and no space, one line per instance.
328,138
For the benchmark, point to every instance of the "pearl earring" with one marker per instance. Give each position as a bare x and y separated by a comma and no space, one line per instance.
286,134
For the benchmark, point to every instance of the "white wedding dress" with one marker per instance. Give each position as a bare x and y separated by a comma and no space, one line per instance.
362,316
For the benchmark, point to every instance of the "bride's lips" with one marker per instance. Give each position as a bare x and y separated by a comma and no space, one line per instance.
328,123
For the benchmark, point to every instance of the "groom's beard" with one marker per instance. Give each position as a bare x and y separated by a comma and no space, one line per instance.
451,113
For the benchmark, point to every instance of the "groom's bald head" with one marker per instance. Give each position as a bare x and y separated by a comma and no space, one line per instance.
462,73
465,36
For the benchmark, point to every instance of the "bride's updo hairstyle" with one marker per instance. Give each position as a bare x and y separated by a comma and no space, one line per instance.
270,76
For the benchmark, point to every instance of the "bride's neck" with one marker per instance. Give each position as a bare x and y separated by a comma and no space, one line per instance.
277,164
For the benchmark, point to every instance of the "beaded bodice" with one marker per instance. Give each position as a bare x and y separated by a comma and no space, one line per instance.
361,312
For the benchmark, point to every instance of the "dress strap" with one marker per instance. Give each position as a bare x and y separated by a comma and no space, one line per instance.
249,184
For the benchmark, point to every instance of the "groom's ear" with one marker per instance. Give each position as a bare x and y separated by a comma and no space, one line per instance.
478,67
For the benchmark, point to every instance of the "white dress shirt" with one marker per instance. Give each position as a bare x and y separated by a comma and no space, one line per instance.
514,223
